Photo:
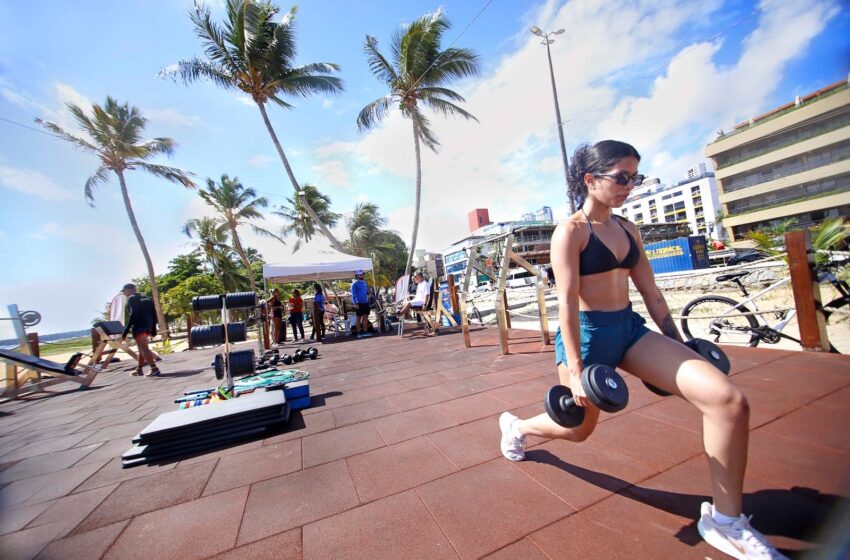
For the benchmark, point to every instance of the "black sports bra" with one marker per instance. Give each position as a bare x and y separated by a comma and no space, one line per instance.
597,257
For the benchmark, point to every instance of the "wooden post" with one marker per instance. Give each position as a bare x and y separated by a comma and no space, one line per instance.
464,320
807,298
33,340
501,296
507,311
95,342
541,304
453,294
189,331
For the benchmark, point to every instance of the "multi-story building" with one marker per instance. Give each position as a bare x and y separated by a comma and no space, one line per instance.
793,162
540,215
693,201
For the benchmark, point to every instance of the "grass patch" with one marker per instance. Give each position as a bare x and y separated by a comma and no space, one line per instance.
80,344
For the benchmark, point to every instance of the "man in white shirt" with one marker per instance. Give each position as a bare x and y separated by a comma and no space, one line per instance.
421,297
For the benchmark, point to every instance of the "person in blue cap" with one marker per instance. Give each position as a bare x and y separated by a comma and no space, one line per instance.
360,299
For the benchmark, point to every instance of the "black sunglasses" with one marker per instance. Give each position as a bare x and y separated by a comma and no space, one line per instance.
623,179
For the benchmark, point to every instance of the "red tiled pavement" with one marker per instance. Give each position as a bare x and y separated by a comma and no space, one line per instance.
399,458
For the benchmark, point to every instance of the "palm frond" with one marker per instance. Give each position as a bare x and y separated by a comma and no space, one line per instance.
160,146
266,233
195,69
304,84
451,64
67,136
99,176
374,112
423,126
448,109
171,174
379,66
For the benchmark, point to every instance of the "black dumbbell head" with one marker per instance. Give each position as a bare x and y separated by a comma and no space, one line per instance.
286,359
313,353
560,408
710,352
605,388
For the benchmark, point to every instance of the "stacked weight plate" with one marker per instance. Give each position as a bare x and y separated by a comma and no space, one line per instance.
182,432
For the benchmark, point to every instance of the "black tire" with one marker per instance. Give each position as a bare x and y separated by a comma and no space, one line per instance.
838,326
709,305
206,303
240,300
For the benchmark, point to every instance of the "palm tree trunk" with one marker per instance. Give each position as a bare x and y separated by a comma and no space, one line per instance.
160,316
245,262
418,198
333,241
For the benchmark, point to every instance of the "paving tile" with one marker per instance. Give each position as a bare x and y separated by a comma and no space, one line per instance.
195,529
43,464
113,472
141,495
656,443
362,412
339,443
469,444
83,546
582,473
387,471
407,425
424,380
127,430
26,544
418,398
296,499
465,387
395,527
674,411
581,536
816,422
72,509
522,393
283,546
47,486
241,469
473,407
304,425
16,518
523,549
486,507
44,446
778,460
105,450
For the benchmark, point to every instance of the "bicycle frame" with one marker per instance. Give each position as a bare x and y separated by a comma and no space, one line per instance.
761,320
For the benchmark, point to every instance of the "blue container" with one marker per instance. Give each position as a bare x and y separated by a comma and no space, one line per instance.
676,255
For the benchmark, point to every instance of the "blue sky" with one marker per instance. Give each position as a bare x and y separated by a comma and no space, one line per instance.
663,74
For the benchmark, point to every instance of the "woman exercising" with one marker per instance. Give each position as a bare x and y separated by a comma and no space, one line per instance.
594,254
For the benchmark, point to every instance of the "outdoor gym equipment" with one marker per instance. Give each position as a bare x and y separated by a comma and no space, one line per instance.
604,388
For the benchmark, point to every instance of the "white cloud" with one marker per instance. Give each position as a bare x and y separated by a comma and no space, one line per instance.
170,117
510,161
261,161
362,197
245,100
332,172
327,103
90,234
32,183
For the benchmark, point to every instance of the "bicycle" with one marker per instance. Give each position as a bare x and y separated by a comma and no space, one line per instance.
726,321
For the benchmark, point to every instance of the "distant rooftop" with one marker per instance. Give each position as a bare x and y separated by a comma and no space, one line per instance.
799,102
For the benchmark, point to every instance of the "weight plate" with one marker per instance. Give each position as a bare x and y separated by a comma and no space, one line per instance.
241,362
239,300
236,332
656,390
712,353
555,404
206,303
218,364
605,388
30,318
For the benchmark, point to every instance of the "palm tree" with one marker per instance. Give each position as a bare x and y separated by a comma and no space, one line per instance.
236,205
298,222
212,242
253,53
363,227
114,135
415,77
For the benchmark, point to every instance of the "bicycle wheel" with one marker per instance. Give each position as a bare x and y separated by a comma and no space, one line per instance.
733,328
838,326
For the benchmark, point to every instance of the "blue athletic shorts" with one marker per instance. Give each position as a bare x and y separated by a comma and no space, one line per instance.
605,336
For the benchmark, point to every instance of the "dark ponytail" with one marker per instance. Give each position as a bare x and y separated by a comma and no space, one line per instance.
598,158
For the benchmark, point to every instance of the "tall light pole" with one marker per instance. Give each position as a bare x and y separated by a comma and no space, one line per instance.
547,41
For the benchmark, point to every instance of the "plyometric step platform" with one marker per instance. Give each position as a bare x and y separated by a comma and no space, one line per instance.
192,430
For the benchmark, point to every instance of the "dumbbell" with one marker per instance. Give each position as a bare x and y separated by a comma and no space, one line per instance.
604,388
274,359
708,350
299,355
286,359
312,353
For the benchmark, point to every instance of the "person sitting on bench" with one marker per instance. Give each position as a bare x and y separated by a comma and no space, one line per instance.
142,322
420,299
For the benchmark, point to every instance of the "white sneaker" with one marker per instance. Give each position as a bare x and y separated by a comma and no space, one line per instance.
512,443
738,539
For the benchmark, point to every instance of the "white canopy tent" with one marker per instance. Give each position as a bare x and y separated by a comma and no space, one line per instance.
323,264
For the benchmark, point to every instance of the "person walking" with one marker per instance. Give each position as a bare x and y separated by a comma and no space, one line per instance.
142,323
318,313
296,314
360,299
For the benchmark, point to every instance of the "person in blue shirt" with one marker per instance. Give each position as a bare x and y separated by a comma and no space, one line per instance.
360,299
318,313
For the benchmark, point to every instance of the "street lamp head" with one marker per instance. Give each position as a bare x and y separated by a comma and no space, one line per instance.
536,30
558,32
